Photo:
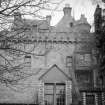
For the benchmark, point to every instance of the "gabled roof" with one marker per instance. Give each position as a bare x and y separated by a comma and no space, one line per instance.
64,24
57,69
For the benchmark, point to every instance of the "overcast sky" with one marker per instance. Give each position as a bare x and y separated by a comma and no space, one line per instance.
79,7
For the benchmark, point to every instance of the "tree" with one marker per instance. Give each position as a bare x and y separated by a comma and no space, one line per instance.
103,1
14,37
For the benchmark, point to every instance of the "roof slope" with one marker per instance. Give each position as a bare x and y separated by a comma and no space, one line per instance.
53,71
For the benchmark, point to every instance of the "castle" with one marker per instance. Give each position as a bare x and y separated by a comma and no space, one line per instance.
60,62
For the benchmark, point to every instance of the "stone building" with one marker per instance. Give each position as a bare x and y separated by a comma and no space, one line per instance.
61,61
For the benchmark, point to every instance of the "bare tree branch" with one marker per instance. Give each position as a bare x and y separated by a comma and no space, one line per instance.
14,42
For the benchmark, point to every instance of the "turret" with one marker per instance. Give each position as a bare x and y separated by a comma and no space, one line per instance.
82,25
98,19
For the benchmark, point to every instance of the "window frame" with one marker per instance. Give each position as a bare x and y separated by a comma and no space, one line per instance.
84,61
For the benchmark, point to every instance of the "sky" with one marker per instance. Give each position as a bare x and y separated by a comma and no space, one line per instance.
86,7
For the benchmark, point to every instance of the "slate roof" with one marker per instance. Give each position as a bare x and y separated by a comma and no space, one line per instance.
41,24
64,24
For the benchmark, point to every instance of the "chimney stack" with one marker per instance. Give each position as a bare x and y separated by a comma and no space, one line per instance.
17,16
48,19
67,9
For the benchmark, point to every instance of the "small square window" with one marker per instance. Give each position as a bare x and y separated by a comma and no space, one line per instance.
68,61
27,60
83,59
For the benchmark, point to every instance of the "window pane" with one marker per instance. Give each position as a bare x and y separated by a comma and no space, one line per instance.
68,61
49,89
60,89
80,59
27,58
48,99
83,60
81,56
87,57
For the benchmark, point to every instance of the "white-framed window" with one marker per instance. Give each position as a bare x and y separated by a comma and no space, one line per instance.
83,59
69,61
27,60
55,94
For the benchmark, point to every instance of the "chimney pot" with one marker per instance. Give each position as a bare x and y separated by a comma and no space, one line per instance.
48,19
67,5
67,9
